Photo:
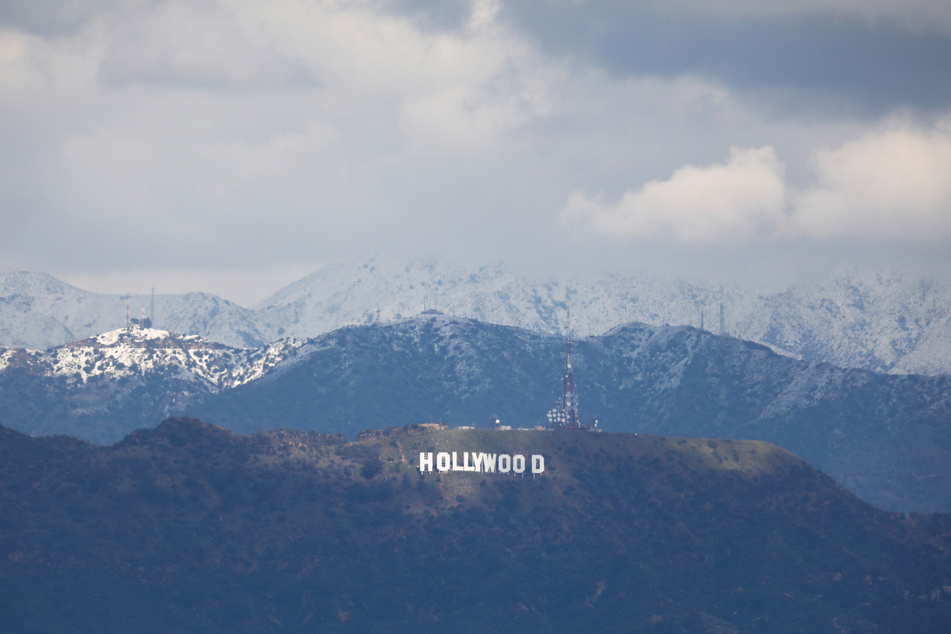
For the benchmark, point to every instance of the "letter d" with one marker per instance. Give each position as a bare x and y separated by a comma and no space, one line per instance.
538,463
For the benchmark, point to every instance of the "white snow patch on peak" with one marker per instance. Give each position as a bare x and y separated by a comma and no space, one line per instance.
6,354
130,352
136,334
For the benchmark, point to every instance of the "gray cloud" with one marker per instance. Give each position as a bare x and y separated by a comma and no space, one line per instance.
195,44
871,65
49,17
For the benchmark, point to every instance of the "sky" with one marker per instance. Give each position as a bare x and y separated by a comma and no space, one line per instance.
232,146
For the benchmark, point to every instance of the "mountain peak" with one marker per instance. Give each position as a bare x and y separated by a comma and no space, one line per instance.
138,337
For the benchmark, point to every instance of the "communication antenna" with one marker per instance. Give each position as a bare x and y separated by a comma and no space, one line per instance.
128,298
722,325
565,413
152,309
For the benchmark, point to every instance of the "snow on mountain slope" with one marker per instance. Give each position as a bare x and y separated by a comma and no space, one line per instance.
39,311
135,351
886,323
882,322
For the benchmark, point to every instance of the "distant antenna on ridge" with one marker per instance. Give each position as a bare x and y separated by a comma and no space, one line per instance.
128,321
430,305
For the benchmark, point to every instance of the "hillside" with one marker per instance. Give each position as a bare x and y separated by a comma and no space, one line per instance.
191,528
881,436
885,322
103,387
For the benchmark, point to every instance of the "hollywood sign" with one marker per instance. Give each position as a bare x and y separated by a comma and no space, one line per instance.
479,462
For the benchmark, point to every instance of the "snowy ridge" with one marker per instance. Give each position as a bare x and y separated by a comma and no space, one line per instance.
38,311
885,322
140,351
891,323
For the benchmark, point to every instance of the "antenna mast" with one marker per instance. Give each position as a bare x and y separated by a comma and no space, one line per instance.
565,413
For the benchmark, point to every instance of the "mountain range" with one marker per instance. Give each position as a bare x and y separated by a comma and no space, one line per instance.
885,322
191,528
882,436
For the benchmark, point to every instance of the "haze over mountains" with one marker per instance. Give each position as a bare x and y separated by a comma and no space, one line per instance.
894,323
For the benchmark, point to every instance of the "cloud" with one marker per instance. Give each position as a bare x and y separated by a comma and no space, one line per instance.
893,183
54,17
818,54
234,134
196,43
916,14
889,185
736,201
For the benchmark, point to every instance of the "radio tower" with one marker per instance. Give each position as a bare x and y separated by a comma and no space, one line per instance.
565,413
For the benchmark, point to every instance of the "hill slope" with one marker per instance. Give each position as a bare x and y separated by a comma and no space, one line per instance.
881,436
191,528
103,387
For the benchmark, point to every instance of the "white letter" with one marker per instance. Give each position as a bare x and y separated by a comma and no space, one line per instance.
465,463
455,465
488,462
518,464
477,458
538,463
442,461
425,461
505,463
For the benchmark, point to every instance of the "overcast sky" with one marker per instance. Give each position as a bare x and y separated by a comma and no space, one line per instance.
234,146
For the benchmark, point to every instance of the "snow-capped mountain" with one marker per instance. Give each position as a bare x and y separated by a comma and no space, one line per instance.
886,323
38,311
103,387
138,352
883,322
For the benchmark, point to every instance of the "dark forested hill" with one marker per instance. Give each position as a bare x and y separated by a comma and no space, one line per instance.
192,528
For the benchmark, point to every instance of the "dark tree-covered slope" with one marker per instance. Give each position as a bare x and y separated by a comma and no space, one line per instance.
191,528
